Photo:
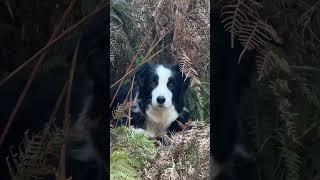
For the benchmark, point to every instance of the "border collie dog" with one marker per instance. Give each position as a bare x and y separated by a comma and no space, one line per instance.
159,99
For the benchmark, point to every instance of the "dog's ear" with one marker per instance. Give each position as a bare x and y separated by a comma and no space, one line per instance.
141,74
186,80
177,69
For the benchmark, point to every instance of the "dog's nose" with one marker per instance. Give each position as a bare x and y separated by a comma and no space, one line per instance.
161,99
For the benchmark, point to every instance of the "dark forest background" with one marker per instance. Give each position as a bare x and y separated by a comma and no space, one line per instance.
31,32
282,106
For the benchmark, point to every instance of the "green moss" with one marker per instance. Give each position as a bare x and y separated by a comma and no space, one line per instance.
121,168
130,152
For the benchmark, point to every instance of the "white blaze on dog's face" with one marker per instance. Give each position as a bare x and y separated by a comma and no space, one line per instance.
161,95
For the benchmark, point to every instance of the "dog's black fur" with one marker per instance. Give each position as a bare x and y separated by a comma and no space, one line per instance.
143,87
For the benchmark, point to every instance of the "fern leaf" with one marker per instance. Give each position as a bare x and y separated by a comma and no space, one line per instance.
281,90
185,65
235,15
242,20
121,111
309,92
281,3
256,35
291,159
268,61
32,160
280,87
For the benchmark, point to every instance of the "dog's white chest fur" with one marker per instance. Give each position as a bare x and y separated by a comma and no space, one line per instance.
159,119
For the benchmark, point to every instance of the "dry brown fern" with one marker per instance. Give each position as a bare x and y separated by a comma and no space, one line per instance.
306,18
267,61
185,65
36,155
235,15
243,21
256,35
308,91
280,87
185,157
121,111
281,91
191,24
281,3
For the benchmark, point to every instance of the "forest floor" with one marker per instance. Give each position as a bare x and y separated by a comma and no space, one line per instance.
184,155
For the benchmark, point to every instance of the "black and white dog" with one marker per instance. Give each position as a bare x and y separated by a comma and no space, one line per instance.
159,99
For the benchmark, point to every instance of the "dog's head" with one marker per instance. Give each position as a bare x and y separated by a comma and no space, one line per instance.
161,86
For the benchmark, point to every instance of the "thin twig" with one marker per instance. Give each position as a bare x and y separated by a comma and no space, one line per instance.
314,35
132,70
131,64
264,143
130,102
61,175
58,104
70,81
305,68
153,45
309,129
9,9
61,171
144,62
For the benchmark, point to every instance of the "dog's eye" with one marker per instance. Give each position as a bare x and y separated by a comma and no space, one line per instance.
171,84
154,83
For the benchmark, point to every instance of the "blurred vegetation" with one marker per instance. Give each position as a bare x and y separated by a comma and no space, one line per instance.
282,111
26,27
